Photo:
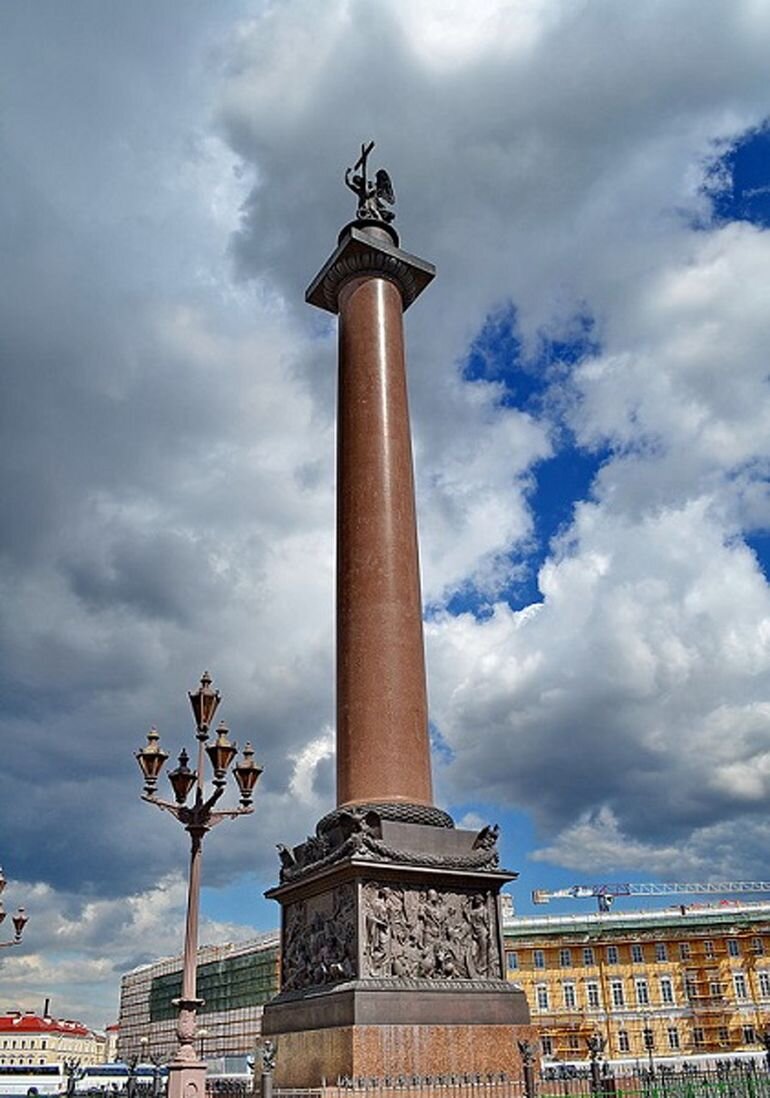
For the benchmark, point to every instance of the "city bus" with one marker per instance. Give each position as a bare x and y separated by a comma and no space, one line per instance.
109,1078
32,1079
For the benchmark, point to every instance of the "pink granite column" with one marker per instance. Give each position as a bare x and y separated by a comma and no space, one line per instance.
383,752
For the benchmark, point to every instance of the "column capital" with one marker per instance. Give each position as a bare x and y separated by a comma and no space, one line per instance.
362,253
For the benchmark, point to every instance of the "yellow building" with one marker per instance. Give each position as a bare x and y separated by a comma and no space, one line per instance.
29,1039
674,982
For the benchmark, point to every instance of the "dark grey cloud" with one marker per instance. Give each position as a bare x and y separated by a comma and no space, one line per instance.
132,534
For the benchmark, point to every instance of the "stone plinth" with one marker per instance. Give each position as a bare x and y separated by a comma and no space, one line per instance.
379,1051
392,953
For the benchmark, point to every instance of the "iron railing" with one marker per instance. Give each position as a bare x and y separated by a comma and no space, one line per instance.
726,1079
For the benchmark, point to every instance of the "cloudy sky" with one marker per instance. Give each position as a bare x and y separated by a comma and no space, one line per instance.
589,388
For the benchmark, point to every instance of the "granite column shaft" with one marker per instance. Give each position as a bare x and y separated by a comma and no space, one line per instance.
383,749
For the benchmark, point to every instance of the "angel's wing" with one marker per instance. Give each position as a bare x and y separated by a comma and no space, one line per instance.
384,187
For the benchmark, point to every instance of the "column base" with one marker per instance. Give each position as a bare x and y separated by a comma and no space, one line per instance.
186,1079
360,1032
309,1057
392,954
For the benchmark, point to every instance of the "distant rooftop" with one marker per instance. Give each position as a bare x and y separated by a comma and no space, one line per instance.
208,953
721,913
16,1022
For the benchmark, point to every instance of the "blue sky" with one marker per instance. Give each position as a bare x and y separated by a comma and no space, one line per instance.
588,385
741,175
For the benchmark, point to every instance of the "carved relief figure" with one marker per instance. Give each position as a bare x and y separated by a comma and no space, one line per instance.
319,946
377,933
429,934
478,953
295,957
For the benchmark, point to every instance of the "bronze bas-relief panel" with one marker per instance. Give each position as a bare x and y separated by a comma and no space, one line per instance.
410,932
320,942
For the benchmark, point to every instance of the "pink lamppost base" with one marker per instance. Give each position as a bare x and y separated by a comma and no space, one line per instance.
187,1072
186,1079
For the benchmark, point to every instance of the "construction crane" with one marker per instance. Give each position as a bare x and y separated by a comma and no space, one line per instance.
606,893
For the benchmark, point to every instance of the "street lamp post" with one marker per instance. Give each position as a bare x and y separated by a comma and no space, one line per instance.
764,1038
649,1045
19,920
73,1073
187,1072
595,1045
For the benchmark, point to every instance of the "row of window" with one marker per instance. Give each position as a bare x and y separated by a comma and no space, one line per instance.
637,953
21,1060
11,1043
647,1044
617,991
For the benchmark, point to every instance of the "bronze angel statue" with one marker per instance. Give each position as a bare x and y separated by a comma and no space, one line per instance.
373,197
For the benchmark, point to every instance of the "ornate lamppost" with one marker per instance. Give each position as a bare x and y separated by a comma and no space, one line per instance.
528,1053
649,1045
764,1039
19,920
73,1073
187,1072
147,1057
596,1045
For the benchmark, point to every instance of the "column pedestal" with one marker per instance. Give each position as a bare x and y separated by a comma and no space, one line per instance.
393,960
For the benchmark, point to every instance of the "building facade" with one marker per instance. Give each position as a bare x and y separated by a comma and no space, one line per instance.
675,982
31,1039
234,979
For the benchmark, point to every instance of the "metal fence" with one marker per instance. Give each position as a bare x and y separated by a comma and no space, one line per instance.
723,1080
497,1085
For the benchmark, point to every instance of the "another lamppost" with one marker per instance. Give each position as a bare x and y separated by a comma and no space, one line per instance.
649,1045
764,1039
73,1073
19,920
596,1045
187,1072
147,1057
528,1052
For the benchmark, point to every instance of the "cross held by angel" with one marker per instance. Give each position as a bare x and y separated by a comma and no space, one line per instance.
373,197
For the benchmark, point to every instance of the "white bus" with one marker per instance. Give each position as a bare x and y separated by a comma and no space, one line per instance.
702,1061
110,1078
32,1079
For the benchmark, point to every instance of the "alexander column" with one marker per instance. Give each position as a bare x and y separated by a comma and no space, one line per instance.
392,957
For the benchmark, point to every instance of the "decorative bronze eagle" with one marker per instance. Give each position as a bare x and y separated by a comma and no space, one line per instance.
373,197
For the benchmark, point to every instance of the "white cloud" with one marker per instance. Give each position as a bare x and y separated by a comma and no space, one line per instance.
646,668
595,843
75,949
301,783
